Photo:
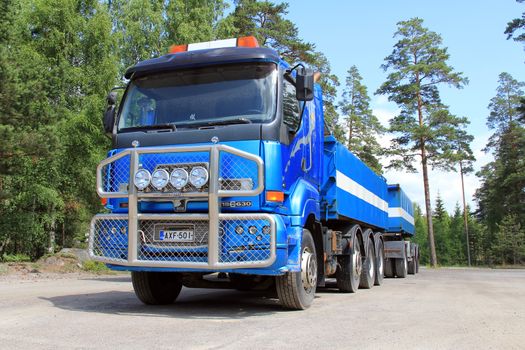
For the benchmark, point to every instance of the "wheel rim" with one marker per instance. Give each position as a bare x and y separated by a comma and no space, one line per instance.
356,260
308,270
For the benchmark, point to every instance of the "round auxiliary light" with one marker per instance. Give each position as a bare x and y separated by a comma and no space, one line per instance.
160,179
239,230
252,230
198,176
142,179
266,229
179,178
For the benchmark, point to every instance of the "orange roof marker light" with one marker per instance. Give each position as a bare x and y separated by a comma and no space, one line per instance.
245,41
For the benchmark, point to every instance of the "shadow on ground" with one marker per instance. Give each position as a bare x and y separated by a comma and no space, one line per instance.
192,304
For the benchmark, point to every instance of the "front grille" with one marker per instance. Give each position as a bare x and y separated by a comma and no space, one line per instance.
183,240
109,238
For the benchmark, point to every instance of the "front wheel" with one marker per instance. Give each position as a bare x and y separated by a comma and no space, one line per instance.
156,288
296,290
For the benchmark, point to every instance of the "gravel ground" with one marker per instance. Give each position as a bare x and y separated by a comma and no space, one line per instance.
437,309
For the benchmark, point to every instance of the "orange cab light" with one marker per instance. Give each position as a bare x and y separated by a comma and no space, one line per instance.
275,196
103,201
178,48
247,41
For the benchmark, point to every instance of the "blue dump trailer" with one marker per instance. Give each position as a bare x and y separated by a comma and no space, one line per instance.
223,174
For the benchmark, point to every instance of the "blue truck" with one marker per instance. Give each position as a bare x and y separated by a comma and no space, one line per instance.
224,174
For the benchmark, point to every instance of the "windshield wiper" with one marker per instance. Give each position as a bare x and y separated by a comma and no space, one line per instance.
165,126
241,120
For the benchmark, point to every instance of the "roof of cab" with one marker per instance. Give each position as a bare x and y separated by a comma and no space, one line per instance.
202,58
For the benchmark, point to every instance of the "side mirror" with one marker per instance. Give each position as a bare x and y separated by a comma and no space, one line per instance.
109,114
304,85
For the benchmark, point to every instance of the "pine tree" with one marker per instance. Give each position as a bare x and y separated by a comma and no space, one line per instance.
363,126
503,179
425,128
441,221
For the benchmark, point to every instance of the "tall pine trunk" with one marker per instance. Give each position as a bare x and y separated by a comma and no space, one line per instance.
428,207
465,218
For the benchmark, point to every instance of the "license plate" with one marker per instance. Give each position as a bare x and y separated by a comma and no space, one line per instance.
183,234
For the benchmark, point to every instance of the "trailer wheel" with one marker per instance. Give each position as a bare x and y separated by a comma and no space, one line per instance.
156,288
348,273
417,259
368,274
296,290
380,263
389,268
412,266
401,267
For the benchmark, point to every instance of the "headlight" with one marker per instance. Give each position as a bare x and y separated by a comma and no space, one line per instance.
179,178
198,176
142,179
160,179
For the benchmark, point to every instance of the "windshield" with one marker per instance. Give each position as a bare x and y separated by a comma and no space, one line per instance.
240,93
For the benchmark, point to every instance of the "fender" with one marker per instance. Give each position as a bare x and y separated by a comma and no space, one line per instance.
303,201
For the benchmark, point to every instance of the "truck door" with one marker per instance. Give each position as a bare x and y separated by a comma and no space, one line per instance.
302,154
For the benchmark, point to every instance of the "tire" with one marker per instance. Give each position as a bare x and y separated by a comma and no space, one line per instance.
389,268
368,275
401,267
156,288
417,259
412,265
348,273
296,290
380,263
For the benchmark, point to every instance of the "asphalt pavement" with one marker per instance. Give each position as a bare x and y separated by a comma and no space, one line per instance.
436,309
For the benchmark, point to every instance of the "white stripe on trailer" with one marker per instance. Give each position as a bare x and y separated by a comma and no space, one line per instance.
399,212
350,186
213,44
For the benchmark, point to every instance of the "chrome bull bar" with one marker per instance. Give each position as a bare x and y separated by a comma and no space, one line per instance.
214,217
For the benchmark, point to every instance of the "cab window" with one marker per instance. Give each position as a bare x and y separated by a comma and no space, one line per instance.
290,107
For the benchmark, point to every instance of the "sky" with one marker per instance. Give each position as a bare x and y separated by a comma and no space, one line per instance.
360,32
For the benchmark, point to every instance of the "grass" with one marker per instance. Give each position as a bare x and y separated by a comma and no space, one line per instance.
95,267
15,258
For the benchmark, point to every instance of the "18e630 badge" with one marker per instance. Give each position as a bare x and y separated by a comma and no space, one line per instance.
236,204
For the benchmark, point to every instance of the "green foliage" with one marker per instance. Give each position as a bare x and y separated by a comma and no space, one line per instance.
363,127
425,130
421,236
95,267
516,27
15,258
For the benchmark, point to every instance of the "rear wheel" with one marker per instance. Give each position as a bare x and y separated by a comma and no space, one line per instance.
348,273
156,288
296,290
380,263
412,265
368,275
401,267
417,259
389,267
